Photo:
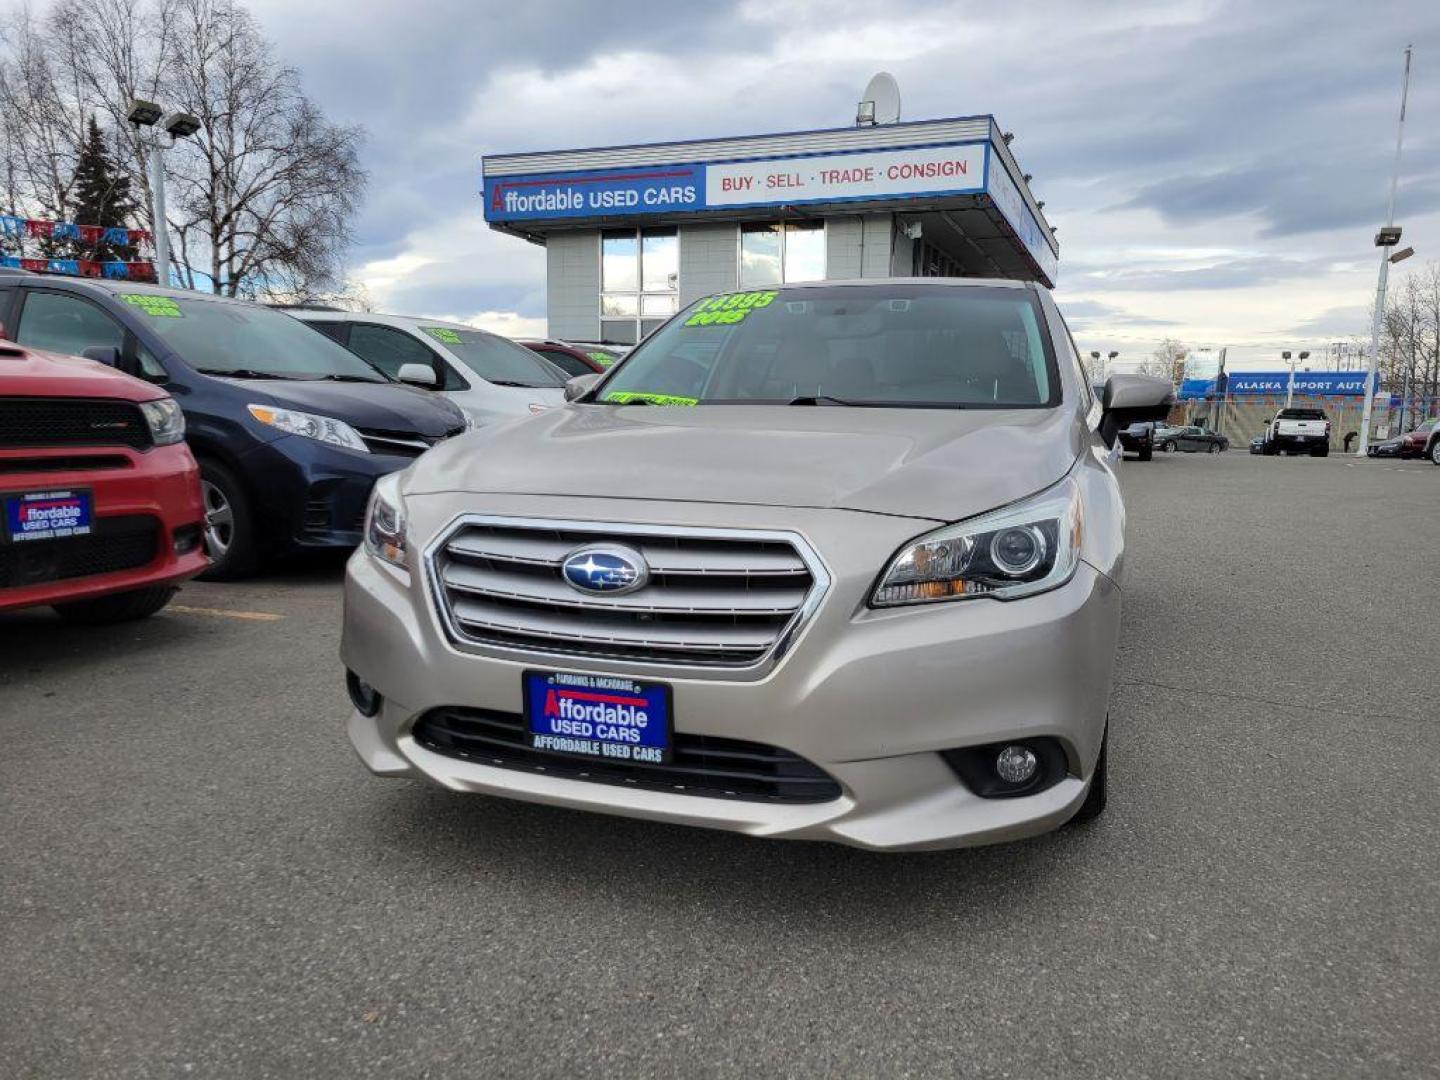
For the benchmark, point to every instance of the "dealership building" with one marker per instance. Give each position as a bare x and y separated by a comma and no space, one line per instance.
633,233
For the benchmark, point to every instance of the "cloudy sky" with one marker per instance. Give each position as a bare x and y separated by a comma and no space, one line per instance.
1216,170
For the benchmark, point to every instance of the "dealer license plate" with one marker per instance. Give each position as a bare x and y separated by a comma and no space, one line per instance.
47,515
605,717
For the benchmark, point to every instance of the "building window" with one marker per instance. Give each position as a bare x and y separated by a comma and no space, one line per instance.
639,282
772,254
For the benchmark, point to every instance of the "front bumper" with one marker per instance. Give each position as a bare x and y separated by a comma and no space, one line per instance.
308,494
161,484
869,696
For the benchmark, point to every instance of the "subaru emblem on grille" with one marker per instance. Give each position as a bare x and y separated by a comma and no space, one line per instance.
605,569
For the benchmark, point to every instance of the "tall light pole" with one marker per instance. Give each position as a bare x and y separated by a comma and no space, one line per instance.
1290,387
144,115
1386,239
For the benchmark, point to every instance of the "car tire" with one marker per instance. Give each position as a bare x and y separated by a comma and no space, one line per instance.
1435,452
229,525
1214,448
1320,451
1094,804
1146,453
117,608
1168,447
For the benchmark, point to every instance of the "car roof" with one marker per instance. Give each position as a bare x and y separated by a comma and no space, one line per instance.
958,282
408,322
106,286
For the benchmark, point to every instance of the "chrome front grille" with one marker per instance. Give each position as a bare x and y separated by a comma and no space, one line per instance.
714,597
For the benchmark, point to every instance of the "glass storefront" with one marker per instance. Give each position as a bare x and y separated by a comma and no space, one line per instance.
639,281
774,253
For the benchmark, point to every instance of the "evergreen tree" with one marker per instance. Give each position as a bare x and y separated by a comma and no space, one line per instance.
100,195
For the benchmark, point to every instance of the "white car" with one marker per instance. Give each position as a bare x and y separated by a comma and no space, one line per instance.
490,377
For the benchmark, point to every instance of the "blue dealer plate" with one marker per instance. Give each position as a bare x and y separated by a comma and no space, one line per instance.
606,717
47,515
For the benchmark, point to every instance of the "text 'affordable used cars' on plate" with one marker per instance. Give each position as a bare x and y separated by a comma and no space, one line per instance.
290,429
100,511
837,561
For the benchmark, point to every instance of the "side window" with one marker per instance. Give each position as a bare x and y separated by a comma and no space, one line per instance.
570,365
1087,394
66,324
333,330
388,349
150,367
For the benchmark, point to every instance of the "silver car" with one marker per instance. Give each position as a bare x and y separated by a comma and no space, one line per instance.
837,561
489,377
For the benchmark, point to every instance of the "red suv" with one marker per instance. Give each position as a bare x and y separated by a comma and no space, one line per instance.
100,509
1424,441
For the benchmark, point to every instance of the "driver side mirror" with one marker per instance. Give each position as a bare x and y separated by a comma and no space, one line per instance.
580,385
1131,399
421,375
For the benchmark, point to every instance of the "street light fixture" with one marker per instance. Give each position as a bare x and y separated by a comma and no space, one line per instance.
146,114
1402,255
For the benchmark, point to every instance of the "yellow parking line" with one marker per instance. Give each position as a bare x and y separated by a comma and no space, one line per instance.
257,616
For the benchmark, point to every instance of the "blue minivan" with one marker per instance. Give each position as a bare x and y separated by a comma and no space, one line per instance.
290,429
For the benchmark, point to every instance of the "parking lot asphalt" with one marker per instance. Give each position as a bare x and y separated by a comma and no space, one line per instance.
197,877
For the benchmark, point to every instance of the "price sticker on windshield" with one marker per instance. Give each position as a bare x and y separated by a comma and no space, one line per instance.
729,309
442,334
159,307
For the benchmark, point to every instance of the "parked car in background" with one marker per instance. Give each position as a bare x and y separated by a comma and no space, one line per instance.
573,357
690,594
1191,440
290,430
1384,448
1296,431
100,511
1257,444
488,376
1139,439
1424,442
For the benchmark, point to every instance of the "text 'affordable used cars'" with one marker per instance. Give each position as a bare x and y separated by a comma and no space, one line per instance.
837,561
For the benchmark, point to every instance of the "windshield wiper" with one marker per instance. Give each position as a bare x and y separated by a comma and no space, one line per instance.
517,382
350,378
244,373
821,399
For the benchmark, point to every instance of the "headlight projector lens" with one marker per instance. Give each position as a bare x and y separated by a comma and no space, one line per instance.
1019,550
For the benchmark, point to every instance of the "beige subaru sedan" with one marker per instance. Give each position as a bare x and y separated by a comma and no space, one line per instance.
838,561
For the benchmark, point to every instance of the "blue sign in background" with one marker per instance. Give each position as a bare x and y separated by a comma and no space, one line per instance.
1248,383
592,193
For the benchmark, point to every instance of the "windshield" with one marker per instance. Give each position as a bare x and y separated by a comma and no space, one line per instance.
246,339
909,345
495,359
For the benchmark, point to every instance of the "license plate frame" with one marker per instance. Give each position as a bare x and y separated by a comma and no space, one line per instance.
602,709
15,504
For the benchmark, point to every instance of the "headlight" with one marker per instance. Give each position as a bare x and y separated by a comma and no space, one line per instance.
385,522
1021,550
325,428
167,422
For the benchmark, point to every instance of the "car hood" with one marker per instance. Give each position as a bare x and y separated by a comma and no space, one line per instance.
938,464
372,406
36,373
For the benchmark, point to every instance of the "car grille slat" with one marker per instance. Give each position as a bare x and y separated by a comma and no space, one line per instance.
752,772
551,590
42,421
714,597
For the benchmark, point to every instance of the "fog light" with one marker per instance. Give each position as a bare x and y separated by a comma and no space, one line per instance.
1016,764
187,539
362,695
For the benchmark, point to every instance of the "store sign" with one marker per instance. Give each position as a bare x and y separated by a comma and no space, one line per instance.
879,174
666,188
1007,197
1201,364
883,174
1276,383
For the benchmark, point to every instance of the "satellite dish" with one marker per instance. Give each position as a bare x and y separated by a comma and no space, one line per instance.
880,104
